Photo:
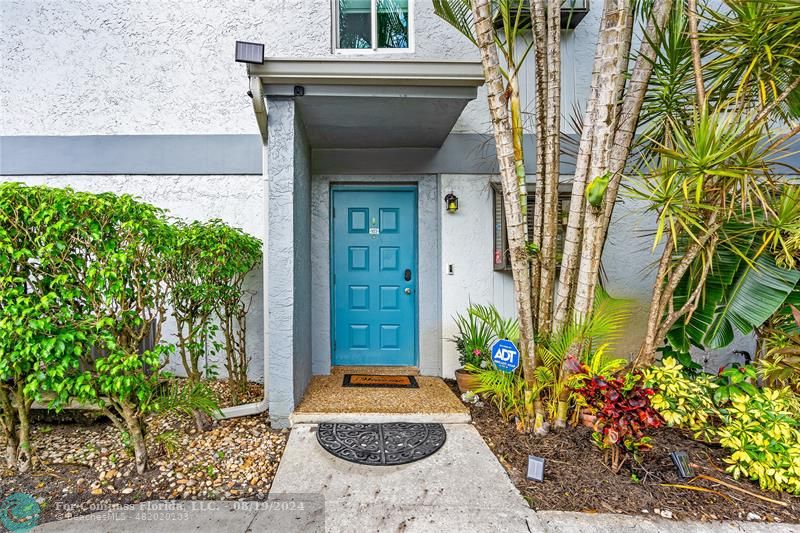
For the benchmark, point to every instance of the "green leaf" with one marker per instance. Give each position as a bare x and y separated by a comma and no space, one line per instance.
759,290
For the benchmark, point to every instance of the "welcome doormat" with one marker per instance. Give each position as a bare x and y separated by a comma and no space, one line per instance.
391,443
380,380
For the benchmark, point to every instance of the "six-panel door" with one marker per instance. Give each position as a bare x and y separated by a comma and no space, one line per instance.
374,266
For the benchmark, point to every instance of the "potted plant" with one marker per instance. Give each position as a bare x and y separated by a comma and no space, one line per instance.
472,342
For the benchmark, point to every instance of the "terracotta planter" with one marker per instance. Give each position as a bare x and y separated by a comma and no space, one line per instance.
466,381
586,418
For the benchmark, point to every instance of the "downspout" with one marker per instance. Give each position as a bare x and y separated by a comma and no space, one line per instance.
260,109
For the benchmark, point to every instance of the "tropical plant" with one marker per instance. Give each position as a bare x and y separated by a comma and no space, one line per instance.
500,328
475,19
759,427
762,432
508,391
578,350
733,382
709,170
780,363
607,135
681,400
473,341
623,413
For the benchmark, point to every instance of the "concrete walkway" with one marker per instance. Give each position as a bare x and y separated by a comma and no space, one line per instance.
461,488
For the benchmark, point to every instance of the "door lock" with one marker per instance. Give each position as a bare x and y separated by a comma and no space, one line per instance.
407,274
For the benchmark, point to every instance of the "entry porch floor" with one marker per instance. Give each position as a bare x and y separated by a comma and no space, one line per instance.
326,400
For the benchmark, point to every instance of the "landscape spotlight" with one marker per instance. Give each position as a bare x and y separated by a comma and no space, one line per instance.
681,460
535,468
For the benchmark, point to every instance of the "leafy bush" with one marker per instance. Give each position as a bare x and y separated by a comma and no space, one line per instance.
82,303
477,331
242,253
624,413
762,432
576,348
683,401
759,426
208,266
40,305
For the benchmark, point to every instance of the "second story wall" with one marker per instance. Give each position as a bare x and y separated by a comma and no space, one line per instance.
106,67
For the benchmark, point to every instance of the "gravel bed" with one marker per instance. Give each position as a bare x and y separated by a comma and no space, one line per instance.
85,467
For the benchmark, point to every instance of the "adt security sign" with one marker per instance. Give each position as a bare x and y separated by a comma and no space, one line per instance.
505,355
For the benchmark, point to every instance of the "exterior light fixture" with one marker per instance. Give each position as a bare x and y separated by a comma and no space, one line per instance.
451,203
535,468
681,461
249,53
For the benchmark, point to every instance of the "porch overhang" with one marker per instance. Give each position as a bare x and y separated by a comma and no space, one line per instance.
365,103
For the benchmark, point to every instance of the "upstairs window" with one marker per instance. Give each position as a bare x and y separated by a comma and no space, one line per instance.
377,25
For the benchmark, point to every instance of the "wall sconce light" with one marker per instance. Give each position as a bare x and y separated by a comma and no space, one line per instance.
451,203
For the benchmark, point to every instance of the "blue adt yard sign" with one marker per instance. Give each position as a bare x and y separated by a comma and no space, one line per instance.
505,355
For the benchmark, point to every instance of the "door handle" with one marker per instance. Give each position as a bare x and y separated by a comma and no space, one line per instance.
407,274
408,290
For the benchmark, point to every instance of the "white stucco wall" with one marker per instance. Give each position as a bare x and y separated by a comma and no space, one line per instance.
83,67
236,200
467,245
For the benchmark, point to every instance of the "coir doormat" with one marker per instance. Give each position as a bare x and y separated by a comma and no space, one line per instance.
379,380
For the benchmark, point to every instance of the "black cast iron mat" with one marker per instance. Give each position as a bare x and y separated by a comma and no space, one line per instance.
391,443
379,380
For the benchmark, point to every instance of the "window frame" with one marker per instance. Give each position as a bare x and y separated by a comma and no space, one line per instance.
500,231
373,32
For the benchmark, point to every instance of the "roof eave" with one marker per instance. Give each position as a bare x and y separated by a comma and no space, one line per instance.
348,71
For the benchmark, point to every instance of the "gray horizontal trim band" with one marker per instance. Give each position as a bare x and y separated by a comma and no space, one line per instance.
130,154
461,153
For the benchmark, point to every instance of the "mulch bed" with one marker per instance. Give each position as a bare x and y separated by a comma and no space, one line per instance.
84,467
577,478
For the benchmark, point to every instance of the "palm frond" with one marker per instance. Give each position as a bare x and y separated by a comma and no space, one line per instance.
457,13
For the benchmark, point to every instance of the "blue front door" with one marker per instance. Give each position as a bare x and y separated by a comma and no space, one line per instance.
374,256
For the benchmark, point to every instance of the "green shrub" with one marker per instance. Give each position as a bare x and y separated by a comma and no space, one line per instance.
683,401
41,305
762,432
82,301
208,266
760,427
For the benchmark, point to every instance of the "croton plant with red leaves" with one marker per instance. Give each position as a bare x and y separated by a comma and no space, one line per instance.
622,407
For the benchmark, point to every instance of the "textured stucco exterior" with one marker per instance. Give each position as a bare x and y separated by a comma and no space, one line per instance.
429,316
151,66
237,200
288,242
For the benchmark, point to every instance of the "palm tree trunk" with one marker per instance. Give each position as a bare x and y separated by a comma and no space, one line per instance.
552,167
632,105
540,54
612,47
504,144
